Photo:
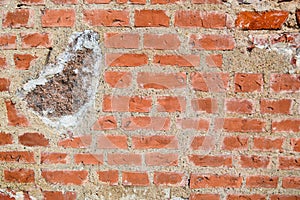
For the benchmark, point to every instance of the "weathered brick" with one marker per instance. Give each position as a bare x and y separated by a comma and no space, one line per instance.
155,142
161,159
97,1
171,104
243,125
248,20
254,161
118,79
169,179
17,156
126,60
203,143
110,177
124,159
35,40
65,177
214,60
261,182
8,41
246,197
286,125
211,181
122,40
19,175
112,142
15,118
5,138
285,197
291,182
106,17
161,41
295,143
3,63
239,106
285,82
23,61
58,195
76,142
177,60
248,82
268,144
88,159
33,2
33,139
281,106
197,18
207,1
58,18
211,161
135,179
53,158
18,18
212,42
4,84
105,123
161,80
151,18
207,105
193,123
65,1
210,82
197,196
235,143
289,163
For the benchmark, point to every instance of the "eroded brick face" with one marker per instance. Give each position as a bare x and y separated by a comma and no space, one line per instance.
157,99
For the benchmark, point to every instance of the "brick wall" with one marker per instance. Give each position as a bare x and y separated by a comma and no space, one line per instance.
197,99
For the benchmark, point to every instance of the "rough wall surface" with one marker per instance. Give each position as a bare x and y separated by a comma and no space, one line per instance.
195,99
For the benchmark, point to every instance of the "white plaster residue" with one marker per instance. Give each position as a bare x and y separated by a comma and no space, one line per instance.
78,41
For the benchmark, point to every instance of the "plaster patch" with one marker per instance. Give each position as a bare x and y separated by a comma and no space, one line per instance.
65,90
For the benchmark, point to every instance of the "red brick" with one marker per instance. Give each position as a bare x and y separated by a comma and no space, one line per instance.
151,18
112,142
8,41
105,123
19,175
53,158
243,125
124,159
287,125
196,124
164,1
33,2
33,139
214,60
110,177
65,177
211,161
282,106
155,142
57,195
5,138
177,60
122,40
17,156
212,181
88,159
146,123
171,104
118,79
3,63
76,142
65,1
207,1
285,197
197,18
246,197
126,103
23,61
125,60
207,105
291,163
267,144
210,82
36,40
291,182
58,18
135,179
195,196
161,41
161,159
4,84
285,82
140,2
18,18
97,1
212,42
261,182
269,20
248,82
169,179
15,118
161,80
295,143
203,143
235,143
106,17
243,106
254,161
